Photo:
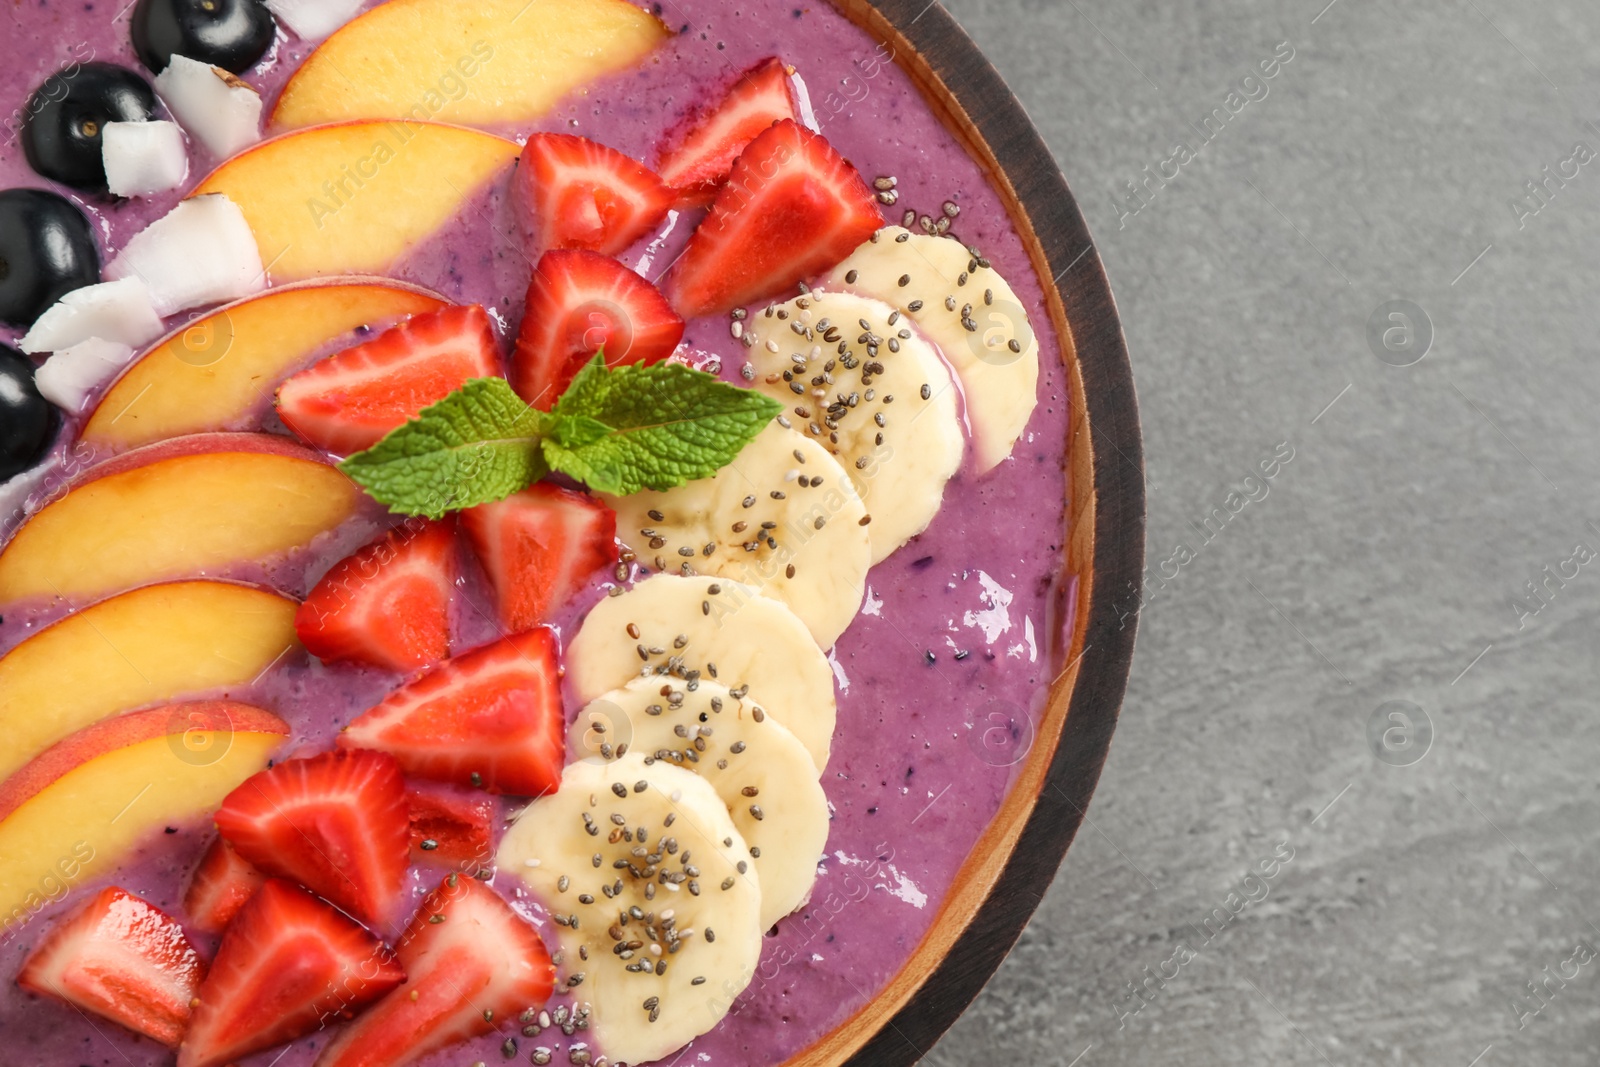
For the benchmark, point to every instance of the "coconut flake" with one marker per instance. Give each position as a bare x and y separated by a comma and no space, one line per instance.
200,252
143,157
67,378
219,109
121,310
312,20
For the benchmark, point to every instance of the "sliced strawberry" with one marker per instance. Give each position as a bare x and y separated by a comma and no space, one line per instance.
579,303
472,965
121,959
580,194
792,208
351,399
452,826
388,605
491,718
702,154
538,548
289,964
335,823
219,887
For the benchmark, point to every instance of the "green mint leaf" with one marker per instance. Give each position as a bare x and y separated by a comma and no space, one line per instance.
666,424
479,444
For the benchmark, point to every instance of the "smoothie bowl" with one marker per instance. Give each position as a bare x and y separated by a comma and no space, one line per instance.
557,531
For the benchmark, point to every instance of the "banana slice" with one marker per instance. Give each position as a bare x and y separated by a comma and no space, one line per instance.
782,517
760,770
639,866
874,393
962,305
706,627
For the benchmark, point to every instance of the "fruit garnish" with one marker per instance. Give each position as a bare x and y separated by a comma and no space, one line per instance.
580,303
793,207
451,826
702,154
490,718
28,423
219,887
288,965
312,20
336,823
221,111
48,251
200,252
617,430
388,604
350,400
231,34
472,965
68,113
539,547
143,158
120,312
578,193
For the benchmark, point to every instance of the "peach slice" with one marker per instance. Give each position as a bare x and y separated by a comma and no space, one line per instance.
476,62
354,197
82,806
218,372
145,646
182,507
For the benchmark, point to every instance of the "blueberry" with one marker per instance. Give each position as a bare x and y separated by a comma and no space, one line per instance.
46,251
28,422
68,112
231,34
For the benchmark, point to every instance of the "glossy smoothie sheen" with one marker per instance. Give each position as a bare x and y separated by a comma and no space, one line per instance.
959,635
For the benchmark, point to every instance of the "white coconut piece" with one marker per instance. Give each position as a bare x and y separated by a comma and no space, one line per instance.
67,378
219,109
120,310
312,20
201,252
143,158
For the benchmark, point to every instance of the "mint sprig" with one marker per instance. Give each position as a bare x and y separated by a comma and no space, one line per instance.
617,430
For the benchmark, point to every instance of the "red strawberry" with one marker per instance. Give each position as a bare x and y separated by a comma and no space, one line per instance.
122,959
491,718
792,208
288,965
219,887
451,826
578,303
699,161
579,194
350,400
388,605
539,547
335,823
472,964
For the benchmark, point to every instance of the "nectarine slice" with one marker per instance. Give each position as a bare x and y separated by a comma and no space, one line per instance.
219,372
82,806
179,508
141,647
476,62
353,198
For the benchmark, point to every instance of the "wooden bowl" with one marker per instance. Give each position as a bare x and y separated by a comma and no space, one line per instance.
1006,874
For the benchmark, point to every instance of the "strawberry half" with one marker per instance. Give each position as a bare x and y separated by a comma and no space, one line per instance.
538,548
219,887
580,194
451,826
289,964
472,964
491,719
350,400
699,161
335,823
388,605
792,208
121,959
578,303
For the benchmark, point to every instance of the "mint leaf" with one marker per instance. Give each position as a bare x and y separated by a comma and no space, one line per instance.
479,444
666,424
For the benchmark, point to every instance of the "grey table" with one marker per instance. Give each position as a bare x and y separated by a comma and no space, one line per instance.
1381,661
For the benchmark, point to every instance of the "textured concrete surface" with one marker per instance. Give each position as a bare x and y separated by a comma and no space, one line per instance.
1431,881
